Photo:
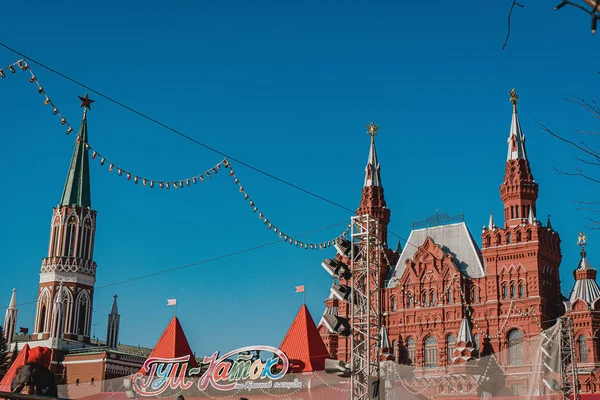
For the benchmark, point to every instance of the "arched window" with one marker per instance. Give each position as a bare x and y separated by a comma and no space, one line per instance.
431,352
508,238
425,299
394,347
77,382
515,347
512,212
412,351
476,342
394,303
498,240
518,237
583,349
409,300
450,346
449,296
504,291
474,295
528,235
513,291
521,289
433,298
488,241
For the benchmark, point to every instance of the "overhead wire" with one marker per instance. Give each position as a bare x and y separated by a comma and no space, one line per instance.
205,261
193,140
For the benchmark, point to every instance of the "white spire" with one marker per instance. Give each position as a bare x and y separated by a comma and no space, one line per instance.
10,319
516,139
491,224
464,332
372,177
531,218
385,340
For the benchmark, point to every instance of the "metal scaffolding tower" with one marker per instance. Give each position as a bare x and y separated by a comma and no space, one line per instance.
570,381
365,308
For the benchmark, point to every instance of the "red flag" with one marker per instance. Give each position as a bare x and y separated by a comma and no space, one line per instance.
300,289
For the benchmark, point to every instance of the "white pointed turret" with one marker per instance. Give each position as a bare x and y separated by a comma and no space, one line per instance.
491,224
464,333
112,332
10,319
464,343
372,175
516,139
585,288
531,218
58,315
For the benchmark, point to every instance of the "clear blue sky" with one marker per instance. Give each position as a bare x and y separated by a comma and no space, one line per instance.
289,88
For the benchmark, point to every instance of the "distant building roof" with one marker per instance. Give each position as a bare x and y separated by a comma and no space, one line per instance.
455,239
303,344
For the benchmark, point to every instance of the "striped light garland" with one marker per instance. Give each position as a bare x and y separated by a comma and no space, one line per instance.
163,184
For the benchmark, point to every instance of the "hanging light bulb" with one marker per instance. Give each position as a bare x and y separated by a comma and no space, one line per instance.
275,229
32,79
181,183
226,163
151,184
119,172
241,188
162,185
260,215
22,64
236,180
2,74
175,185
214,170
231,173
63,121
255,209
251,203
128,176
40,90
135,180
70,130
94,154
12,69
201,178
144,181
219,165
55,111
269,226
102,160
246,196
110,167
207,173
47,101
187,182
167,185
195,180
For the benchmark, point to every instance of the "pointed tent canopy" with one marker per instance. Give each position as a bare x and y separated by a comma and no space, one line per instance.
172,344
303,344
585,288
516,139
464,332
77,185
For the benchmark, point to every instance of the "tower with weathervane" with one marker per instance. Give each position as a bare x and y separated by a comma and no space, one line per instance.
68,273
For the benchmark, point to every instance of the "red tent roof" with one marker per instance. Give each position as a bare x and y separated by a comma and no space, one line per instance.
173,344
303,344
12,371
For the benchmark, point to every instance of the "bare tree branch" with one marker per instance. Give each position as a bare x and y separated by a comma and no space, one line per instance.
587,209
512,6
586,161
592,107
578,173
587,133
591,153
585,202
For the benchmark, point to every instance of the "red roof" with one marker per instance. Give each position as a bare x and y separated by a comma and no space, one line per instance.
303,344
173,344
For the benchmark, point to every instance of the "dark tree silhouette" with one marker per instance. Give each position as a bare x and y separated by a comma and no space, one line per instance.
5,361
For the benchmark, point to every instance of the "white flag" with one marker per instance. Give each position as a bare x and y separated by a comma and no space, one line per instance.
171,302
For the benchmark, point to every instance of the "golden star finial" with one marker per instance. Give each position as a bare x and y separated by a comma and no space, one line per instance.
372,130
514,98
582,239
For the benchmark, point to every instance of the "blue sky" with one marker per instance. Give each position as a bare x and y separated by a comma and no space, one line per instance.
288,88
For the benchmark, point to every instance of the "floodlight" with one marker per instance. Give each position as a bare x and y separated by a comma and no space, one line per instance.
336,324
336,268
342,292
337,367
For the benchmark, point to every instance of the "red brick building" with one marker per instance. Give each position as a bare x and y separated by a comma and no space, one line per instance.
446,301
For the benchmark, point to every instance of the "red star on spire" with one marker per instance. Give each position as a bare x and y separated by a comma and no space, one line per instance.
86,102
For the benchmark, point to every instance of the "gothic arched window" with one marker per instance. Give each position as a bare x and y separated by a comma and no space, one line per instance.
433,300
515,347
508,238
409,300
425,299
449,296
474,295
504,291
476,340
513,291
450,346
412,351
583,349
521,289
431,352
82,313
393,303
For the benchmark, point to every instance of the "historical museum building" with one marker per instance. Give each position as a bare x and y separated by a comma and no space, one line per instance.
446,302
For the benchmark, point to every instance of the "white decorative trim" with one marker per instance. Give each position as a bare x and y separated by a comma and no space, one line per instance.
71,277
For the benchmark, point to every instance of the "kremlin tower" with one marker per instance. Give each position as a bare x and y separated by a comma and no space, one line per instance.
68,273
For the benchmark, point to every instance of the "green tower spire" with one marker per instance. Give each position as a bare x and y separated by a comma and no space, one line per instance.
77,186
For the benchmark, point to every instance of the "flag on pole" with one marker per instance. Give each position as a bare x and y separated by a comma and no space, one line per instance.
171,302
300,289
